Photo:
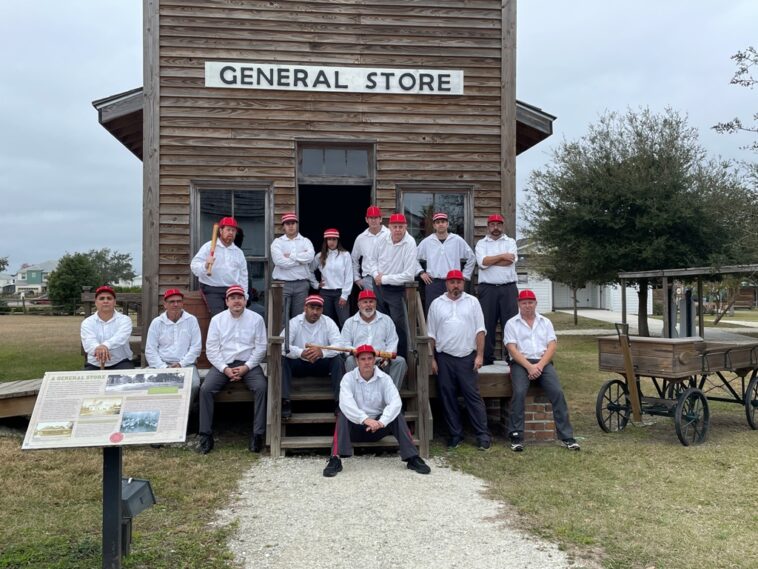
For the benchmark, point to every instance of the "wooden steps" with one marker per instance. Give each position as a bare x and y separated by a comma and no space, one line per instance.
313,442
315,418
17,398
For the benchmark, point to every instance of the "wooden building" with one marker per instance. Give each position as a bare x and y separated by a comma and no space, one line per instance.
254,108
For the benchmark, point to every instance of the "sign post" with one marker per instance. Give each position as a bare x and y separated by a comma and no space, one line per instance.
112,464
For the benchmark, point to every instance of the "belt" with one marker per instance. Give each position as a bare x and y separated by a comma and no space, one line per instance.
501,284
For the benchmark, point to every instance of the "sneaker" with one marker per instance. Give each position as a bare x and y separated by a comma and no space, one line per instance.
517,444
206,443
333,467
571,444
286,409
256,443
417,464
454,442
483,444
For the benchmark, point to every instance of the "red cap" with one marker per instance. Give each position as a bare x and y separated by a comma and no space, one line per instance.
439,215
527,294
289,216
105,288
228,222
234,289
331,233
314,299
373,211
495,218
364,349
454,274
172,292
397,218
366,294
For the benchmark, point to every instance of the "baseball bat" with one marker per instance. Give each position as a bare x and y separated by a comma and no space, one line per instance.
214,238
379,354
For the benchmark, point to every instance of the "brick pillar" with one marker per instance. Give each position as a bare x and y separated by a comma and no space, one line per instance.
538,417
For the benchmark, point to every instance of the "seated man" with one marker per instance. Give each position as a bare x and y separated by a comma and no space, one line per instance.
531,342
236,346
368,326
308,330
173,339
105,334
369,411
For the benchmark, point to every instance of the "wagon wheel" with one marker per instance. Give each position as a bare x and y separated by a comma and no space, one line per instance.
613,406
751,402
676,387
691,417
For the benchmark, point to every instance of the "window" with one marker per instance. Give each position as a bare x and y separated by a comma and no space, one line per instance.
335,163
248,204
419,203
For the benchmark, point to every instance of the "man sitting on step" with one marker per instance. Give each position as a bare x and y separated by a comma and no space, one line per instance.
370,410
308,331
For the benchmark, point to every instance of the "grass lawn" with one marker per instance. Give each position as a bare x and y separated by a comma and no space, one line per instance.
563,321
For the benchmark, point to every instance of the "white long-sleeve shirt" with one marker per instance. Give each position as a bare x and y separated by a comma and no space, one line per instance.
364,247
379,333
454,324
231,339
171,342
396,262
442,257
337,273
229,268
530,341
495,274
292,258
376,398
113,334
323,332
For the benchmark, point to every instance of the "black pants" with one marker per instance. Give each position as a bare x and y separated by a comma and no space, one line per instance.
332,367
391,301
346,432
458,375
432,291
332,306
499,304
215,298
123,364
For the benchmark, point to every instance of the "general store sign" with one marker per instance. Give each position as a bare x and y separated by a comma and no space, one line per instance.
236,75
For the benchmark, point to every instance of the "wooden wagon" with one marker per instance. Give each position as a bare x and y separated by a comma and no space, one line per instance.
685,373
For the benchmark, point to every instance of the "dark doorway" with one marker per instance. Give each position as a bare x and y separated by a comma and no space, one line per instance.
341,207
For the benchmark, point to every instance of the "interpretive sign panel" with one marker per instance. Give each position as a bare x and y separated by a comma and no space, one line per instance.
110,408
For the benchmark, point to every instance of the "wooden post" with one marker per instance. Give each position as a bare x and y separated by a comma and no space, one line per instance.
666,308
508,116
413,308
275,307
422,390
700,308
274,411
623,301
631,377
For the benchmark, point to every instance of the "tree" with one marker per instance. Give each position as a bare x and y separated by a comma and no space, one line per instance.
631,195
746,60
3,263
64,284
111,266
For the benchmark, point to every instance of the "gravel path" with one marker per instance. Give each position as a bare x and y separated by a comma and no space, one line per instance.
376,514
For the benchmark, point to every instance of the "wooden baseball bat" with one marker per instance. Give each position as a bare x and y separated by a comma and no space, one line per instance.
379,354
214,238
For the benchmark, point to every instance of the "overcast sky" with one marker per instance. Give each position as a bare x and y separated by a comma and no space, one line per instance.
67,185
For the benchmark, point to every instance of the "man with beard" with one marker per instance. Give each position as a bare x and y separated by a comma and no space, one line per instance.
105,334
368,326
236,346
496,256
364,245
456,328
292,254
218,271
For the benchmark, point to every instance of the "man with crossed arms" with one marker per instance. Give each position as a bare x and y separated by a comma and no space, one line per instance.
363,248
292,255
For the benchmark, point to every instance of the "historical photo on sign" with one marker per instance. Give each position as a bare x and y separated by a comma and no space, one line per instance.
169,382
54,429
99,407
140,422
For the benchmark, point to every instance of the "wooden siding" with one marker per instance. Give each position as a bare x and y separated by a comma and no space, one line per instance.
243,134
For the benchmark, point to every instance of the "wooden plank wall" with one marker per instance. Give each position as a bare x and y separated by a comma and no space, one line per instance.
230,134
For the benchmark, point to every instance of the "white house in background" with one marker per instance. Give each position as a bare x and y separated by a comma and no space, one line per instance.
136,281
7,284
556,296
33,279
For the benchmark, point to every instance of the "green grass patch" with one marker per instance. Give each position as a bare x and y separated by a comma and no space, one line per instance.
563,321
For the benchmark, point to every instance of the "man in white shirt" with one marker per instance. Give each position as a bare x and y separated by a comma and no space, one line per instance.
221,268
292,254
236,346
497,290
369,411
368,326
392,265
307,330
173,339
105,334
443,252
364,246
531,341
456,327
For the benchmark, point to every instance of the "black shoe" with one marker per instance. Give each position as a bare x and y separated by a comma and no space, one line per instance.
333,467
206,443
286,409
256,443
417,464
571,444
517,443
454,442
484,444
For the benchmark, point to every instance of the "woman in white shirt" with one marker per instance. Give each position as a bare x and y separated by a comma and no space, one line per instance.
336,268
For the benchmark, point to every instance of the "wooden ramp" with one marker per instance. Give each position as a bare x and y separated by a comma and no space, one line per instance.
17,398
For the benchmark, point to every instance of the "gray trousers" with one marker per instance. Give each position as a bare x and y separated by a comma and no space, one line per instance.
458,375
296,291
332,306
391,301
368,282
346,433
499,303
123,364
396,369
549,382
332,367
432,291
215,297
215,382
